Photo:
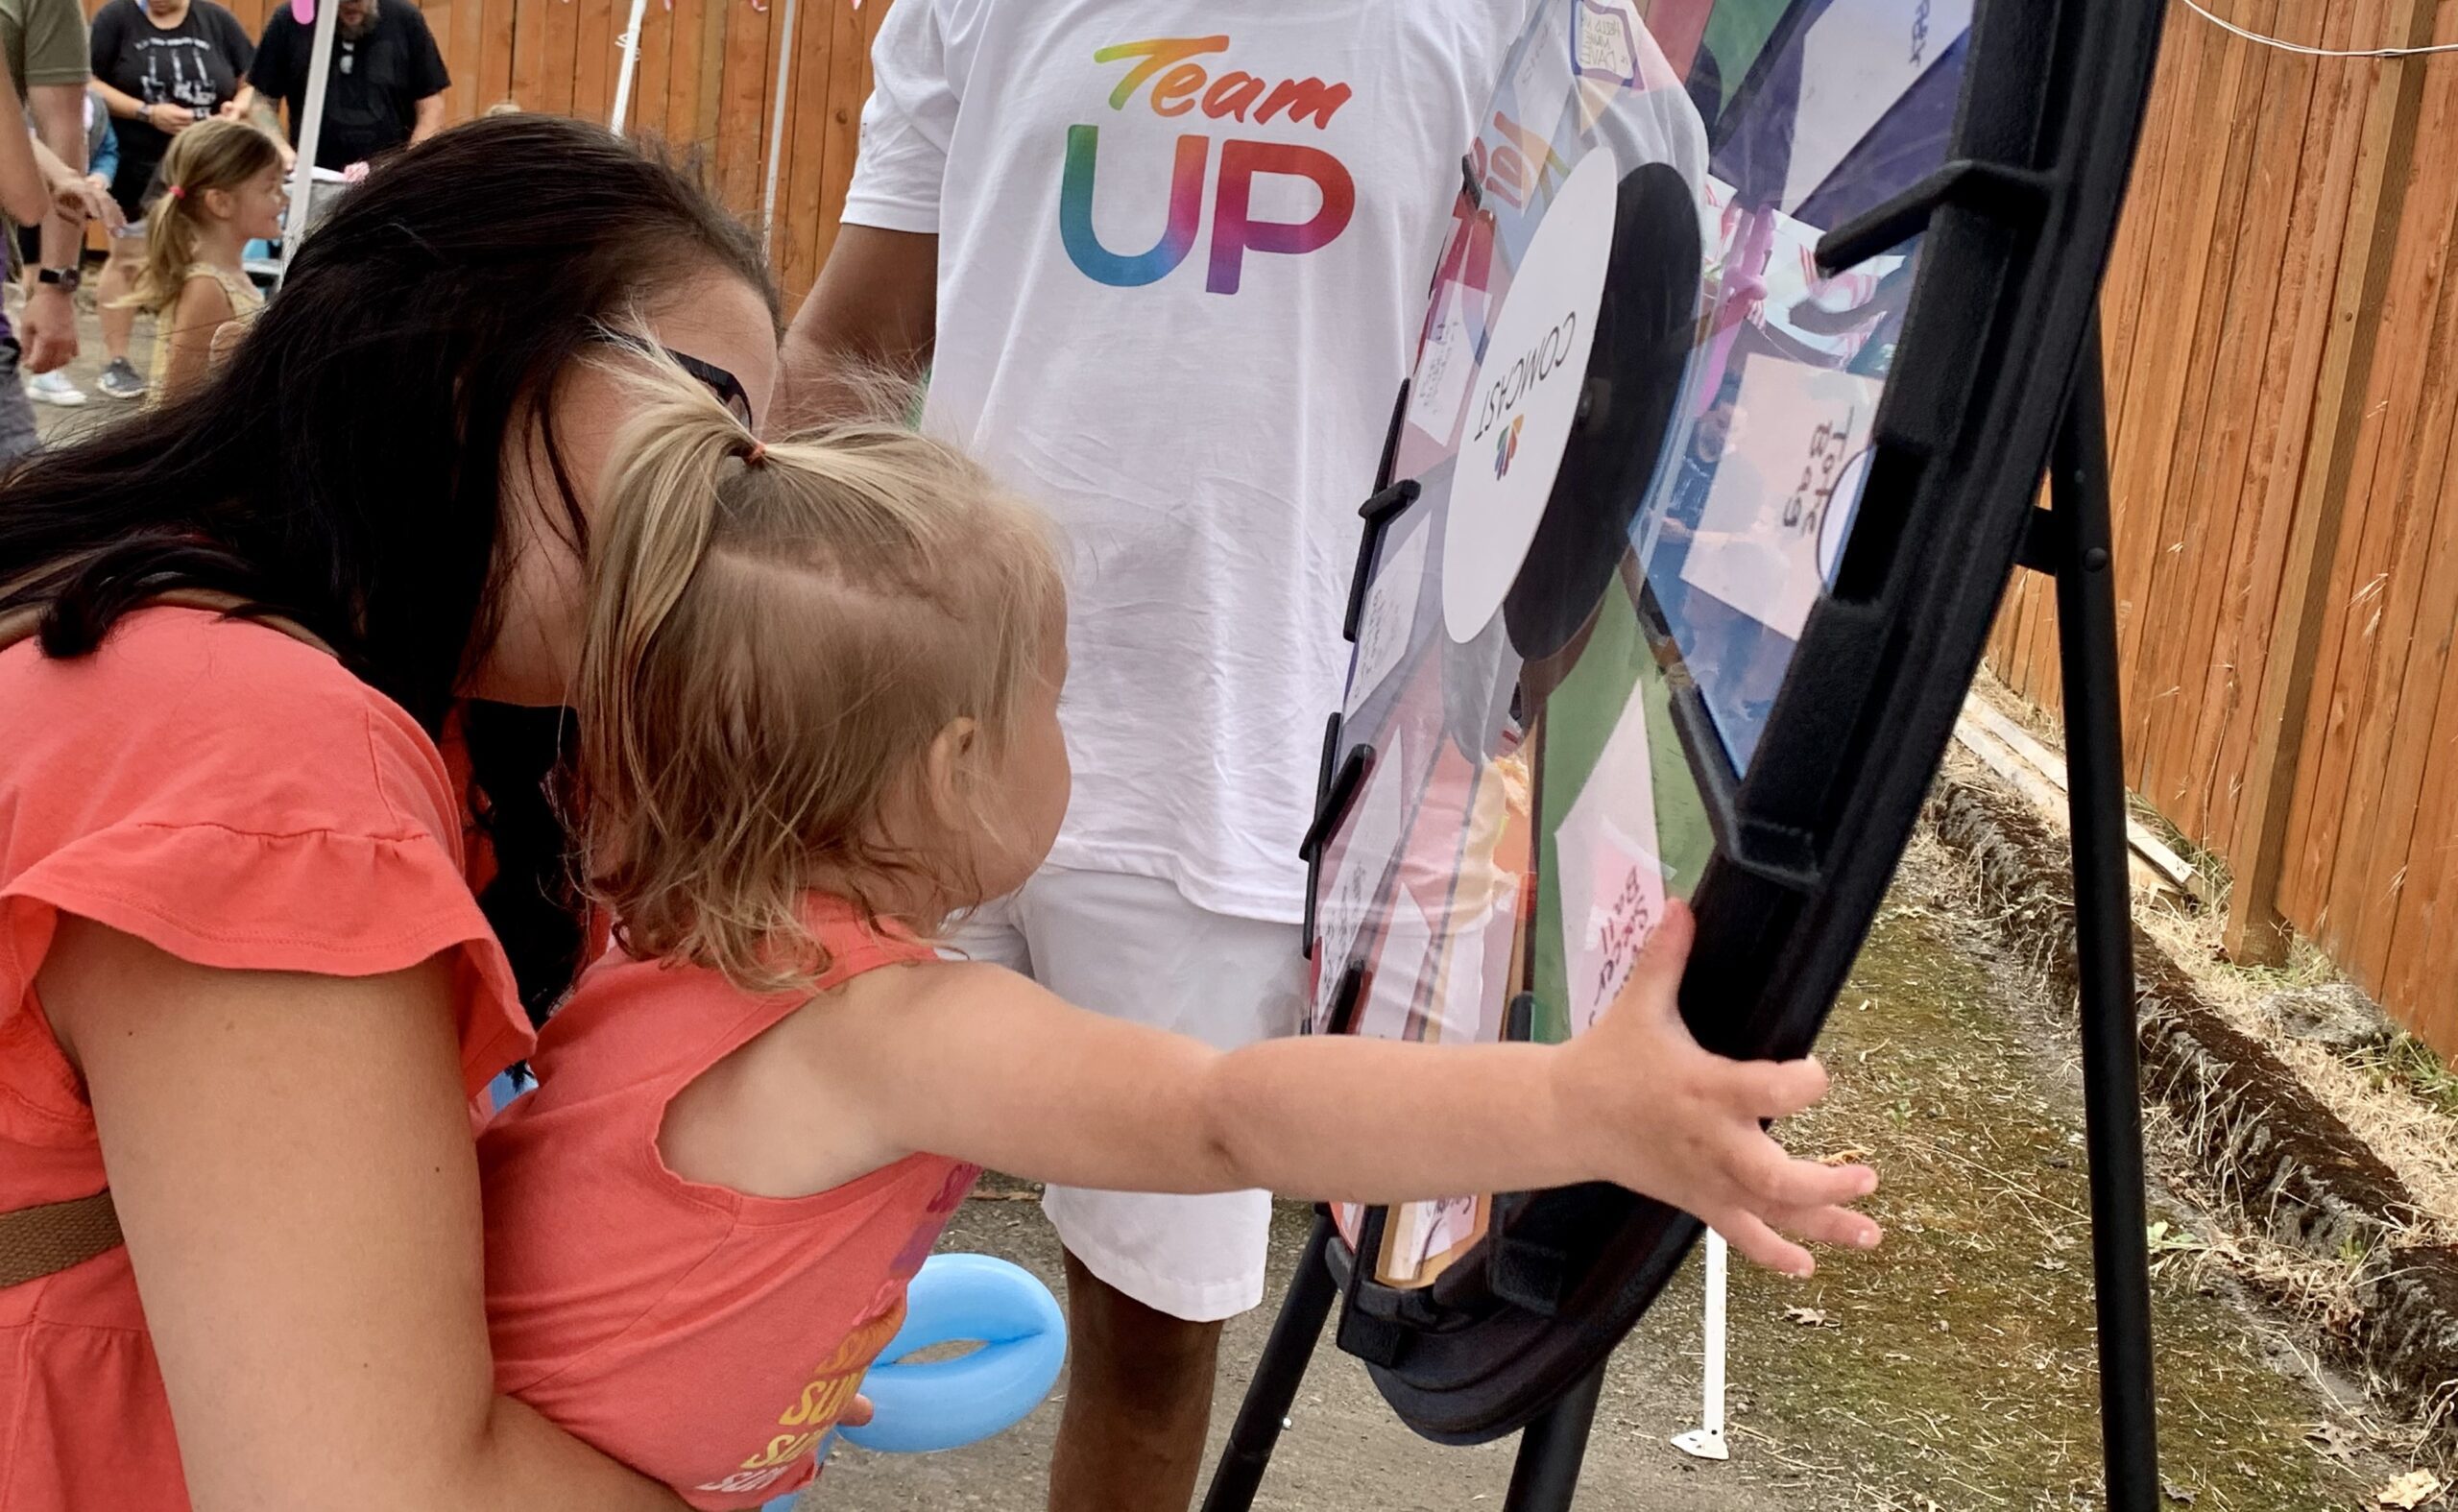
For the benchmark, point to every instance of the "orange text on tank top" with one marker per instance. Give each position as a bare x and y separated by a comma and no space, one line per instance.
707,1338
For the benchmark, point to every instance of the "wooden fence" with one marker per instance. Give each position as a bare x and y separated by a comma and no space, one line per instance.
2282,336
707,74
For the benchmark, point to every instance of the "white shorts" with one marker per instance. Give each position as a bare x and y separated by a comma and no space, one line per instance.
1134,948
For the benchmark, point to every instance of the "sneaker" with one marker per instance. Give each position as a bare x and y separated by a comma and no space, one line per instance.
53,388
120,380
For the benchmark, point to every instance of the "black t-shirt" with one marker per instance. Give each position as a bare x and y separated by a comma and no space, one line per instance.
371,96
196,64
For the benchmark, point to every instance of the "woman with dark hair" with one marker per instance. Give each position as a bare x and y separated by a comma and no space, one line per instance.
248,1002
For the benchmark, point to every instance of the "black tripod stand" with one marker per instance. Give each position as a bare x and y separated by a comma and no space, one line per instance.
2068,541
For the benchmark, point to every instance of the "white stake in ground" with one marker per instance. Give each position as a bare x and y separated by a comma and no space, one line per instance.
1707,1440
631,65
311,129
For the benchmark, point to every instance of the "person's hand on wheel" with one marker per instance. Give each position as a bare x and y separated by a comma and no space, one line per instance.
1674,1122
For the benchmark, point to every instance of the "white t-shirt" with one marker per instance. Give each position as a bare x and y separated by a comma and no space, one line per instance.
1184,250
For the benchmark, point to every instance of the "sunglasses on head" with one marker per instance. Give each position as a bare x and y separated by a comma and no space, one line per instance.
723,384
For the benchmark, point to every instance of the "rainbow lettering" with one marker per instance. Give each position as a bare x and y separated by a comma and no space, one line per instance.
1162,71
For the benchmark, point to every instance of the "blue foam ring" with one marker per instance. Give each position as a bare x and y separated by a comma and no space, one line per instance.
944,1404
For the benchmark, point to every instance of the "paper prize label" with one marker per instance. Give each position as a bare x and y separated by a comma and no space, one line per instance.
1544,61
1605,46
1451,1225
1857,61
1388,626
1348,900
1605,853
1398,971
1799,437
1445,367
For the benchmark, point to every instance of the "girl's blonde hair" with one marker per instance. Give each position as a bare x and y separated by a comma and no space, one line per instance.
776,636
220,154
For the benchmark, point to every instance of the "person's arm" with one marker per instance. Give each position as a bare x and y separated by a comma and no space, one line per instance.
429,79
269,74
56,68
123,106
25,190
876,303
50,323
982,1065
291,1161
875,307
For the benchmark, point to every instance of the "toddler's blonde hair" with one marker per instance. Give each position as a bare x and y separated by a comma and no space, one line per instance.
775,638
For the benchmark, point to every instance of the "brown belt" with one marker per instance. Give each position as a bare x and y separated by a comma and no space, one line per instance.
41,1241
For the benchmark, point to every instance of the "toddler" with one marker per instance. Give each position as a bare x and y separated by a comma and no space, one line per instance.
818,708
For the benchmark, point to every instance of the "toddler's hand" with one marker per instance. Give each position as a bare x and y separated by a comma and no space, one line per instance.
1670,1122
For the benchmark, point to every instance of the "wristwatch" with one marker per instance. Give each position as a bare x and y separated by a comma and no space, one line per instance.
64,278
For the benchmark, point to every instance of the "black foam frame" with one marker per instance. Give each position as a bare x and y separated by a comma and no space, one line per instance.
2016,229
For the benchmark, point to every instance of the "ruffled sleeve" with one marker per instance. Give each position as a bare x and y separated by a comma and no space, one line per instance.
239,801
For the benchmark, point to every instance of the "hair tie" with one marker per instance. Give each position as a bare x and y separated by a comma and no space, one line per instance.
178,191
757,454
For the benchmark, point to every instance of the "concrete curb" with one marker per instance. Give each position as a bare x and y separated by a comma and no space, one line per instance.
2286,1164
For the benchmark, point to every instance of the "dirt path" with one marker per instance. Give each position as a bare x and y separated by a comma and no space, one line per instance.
1952,1371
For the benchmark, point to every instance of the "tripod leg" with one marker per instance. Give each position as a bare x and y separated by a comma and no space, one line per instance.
1553,1449
1277,1375
2104,927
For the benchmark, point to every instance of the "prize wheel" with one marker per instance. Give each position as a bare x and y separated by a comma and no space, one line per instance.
1740,371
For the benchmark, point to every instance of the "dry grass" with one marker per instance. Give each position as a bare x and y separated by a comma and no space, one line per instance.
2399,1099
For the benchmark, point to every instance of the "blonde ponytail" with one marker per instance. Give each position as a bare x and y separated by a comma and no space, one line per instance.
775,638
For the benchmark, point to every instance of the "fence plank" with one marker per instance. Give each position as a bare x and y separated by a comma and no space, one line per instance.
2180,468
2255,928
2378,838
2256,350
594,56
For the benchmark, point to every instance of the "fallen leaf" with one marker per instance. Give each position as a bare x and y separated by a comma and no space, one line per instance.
2176,1493
2332,1441
1850,1157
2410,1491
2178,1241
1809,1317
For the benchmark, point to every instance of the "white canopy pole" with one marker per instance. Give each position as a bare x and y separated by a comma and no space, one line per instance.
776,131
631,65
320,68
1707,1440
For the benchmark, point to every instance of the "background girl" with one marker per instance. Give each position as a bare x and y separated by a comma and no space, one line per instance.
245,988
162,66
222,188
819,712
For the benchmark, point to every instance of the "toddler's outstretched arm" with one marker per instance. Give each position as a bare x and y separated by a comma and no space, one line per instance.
983,1065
